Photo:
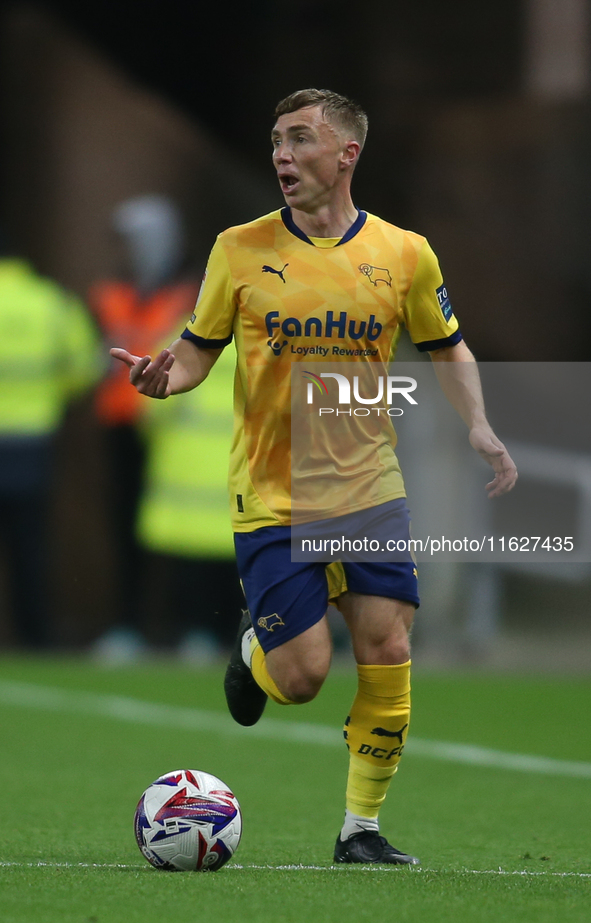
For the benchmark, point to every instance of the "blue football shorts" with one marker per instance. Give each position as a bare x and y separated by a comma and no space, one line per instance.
286,597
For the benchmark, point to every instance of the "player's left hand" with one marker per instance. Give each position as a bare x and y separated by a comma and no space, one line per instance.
494,452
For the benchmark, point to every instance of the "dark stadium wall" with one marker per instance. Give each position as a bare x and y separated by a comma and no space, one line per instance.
81,135
503,191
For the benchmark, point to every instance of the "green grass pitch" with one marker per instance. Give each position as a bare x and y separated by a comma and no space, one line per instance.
79,744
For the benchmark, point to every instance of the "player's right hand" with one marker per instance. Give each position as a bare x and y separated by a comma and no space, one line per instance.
148,377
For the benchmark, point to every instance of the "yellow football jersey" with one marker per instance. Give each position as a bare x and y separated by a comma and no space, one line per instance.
286,300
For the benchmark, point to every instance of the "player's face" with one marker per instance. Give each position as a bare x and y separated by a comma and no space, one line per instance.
308,157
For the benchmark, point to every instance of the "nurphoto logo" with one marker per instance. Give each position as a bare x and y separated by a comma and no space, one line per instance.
388,386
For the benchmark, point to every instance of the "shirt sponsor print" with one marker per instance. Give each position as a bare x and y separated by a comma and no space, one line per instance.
444,302
338,326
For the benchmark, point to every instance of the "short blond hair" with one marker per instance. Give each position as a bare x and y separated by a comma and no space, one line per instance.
336,109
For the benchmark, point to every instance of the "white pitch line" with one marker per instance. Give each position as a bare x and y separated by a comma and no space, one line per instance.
72,865
135,711
524,873
412,869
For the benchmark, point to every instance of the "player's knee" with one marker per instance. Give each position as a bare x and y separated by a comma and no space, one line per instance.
395,652
300,666
400,655
387,651
304,685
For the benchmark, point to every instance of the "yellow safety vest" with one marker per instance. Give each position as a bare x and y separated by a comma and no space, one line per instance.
49,351
185,509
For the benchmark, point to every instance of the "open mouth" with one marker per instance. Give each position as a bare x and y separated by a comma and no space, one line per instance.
288,182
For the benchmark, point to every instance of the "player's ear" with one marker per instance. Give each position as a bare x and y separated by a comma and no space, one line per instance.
350,154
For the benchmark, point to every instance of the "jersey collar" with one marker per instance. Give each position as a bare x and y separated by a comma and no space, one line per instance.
292,227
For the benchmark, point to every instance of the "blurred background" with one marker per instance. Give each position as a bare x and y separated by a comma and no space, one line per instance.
120,119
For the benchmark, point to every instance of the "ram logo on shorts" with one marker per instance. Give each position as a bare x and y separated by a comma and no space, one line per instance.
270,622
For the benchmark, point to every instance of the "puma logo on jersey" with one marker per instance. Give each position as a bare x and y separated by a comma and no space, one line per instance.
277,272
270,622
375,274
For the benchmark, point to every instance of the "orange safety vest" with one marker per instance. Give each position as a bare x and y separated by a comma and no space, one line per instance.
140,325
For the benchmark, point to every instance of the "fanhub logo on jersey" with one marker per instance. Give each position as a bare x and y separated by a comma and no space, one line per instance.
387,387
339,327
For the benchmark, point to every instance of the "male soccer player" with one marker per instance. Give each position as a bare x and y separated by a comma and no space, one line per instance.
322,273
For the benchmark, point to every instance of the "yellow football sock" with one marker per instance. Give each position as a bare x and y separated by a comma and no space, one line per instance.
259,670
375,732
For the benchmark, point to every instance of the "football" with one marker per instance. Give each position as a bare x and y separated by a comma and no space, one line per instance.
188,820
